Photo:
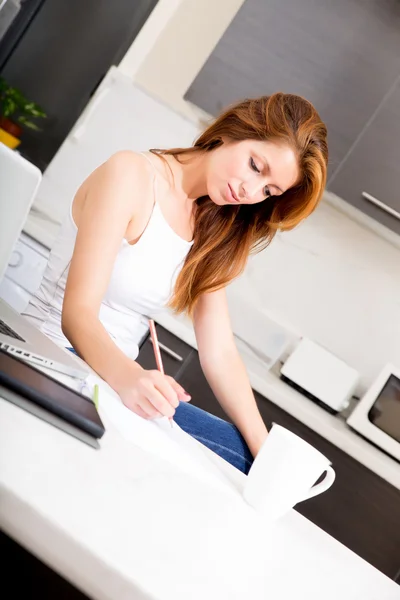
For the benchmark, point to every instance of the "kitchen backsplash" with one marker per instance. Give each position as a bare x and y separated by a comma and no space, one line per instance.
335,281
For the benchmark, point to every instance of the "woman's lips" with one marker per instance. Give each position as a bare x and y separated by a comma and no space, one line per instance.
232,196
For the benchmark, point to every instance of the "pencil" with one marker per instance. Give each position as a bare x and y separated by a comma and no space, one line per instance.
96,396
157,352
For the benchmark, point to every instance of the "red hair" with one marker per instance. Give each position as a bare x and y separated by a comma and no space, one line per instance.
224,236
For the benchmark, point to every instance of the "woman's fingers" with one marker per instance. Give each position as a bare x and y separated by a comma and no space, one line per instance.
160,402
156,395
142,413
163,384
183,396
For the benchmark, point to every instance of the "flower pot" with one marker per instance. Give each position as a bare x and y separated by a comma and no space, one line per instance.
11,127
8,140
9,133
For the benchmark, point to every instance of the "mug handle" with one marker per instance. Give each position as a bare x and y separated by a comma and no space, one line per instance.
324,485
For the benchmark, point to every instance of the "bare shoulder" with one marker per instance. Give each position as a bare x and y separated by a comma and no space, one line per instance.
124,181
125,160
124,168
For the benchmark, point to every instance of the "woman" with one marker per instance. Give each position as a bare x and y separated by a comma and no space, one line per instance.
174,227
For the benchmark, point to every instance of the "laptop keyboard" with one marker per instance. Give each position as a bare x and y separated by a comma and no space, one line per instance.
6,330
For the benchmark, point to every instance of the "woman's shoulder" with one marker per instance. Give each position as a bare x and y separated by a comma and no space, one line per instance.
123,184
125,171
128,163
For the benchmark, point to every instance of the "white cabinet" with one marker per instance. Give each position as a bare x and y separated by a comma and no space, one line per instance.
24,272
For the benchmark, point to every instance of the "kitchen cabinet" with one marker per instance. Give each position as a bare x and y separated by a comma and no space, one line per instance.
57,54
174,353
371,171
344,57
38,579
361,510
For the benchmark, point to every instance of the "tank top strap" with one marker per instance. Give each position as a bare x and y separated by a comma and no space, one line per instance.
154,176
157,218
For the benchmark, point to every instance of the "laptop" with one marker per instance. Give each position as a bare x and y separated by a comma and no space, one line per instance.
19,181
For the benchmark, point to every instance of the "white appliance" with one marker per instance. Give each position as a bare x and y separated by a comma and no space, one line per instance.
19,181
24,272
320,375
119,116
377,414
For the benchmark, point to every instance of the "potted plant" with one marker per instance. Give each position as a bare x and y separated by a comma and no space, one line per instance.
16,111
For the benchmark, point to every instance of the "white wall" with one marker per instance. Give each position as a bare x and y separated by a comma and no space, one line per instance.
335,281
174,44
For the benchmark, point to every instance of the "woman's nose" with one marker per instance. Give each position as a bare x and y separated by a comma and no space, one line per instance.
252,192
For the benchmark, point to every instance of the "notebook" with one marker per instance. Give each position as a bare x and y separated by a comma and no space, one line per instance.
48,399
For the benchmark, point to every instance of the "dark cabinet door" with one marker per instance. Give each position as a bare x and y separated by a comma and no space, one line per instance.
174,352
61,57
343,56
371,171
194,382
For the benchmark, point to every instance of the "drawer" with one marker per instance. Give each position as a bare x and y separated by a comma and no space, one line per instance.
26,267
174,352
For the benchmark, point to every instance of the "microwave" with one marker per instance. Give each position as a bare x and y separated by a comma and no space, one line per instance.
377,414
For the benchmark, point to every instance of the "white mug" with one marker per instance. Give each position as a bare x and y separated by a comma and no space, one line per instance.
284,473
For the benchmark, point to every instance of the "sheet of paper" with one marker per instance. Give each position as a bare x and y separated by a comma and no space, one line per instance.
157,437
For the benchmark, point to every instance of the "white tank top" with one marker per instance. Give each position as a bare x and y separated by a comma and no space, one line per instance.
141,283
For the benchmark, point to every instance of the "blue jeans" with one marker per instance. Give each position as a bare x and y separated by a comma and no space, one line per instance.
218,435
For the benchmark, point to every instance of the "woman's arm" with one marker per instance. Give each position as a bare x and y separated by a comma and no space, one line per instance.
224,369
110,199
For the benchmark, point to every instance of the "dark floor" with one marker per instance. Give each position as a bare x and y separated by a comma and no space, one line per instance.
27,577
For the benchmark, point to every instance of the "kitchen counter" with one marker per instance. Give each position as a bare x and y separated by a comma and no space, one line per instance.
332,428
121,523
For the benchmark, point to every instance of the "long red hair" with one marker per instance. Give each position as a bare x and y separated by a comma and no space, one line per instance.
224,236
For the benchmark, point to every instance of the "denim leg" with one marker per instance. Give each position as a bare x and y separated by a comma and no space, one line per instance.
219,436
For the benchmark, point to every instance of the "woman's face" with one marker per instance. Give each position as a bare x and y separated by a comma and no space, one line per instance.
250,171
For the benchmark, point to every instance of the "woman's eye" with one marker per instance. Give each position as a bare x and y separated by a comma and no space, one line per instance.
254,166
267,192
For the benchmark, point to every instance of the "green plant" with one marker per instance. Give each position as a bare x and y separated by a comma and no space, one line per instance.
17,108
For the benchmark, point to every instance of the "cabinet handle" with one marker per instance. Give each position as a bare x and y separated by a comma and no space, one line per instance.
16,259
382,205
169,351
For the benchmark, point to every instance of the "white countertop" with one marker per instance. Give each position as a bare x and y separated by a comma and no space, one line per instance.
121,523
334,429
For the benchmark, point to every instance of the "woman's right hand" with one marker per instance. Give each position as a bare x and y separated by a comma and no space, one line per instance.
151,394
